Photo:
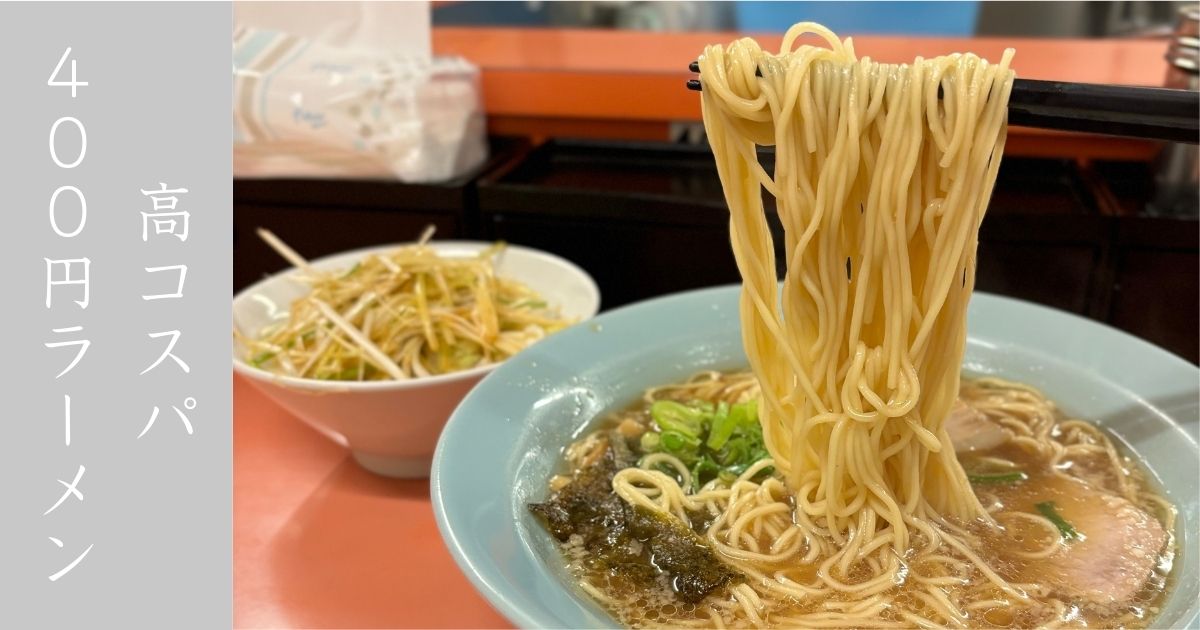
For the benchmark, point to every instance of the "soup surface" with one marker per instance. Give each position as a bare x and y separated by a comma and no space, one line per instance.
1076,535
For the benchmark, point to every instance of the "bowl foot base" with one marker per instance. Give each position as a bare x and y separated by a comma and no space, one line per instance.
398,467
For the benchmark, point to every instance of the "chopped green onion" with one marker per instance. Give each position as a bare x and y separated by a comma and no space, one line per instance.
719,441
742,416
723,425
751,419
678,443
996,478
672,416
352,271
734,451
261,358
1068,532
706,469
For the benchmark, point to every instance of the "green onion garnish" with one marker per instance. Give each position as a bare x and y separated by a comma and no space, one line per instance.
994,478
713,441
1068,532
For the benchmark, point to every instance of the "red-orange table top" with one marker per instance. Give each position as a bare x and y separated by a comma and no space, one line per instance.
318,542
547,82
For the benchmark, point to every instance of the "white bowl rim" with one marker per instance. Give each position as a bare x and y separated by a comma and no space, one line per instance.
312,384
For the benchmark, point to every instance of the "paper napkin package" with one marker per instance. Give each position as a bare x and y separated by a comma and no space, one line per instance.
307,108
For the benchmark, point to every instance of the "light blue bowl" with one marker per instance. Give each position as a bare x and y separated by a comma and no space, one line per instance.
502,443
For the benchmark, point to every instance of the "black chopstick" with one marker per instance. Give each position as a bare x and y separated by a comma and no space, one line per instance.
1114,110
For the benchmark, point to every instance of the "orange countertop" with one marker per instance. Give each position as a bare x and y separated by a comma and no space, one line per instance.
318,542
630,84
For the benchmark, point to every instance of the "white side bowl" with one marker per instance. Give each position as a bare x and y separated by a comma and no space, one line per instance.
391,427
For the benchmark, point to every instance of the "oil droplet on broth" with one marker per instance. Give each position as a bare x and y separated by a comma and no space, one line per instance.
998,617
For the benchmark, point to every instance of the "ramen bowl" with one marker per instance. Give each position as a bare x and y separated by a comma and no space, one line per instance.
506,438
391,427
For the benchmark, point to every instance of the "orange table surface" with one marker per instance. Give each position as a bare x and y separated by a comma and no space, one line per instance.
318,542
548,82
639,75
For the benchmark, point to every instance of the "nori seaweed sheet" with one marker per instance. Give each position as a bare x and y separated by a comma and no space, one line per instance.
631,543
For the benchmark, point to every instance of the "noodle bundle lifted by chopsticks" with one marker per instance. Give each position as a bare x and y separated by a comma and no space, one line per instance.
411,312
881,186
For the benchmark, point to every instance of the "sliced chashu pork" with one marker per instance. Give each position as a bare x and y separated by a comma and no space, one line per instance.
1118,549
1120,542
970,430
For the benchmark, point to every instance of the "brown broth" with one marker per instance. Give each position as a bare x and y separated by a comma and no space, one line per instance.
1072,488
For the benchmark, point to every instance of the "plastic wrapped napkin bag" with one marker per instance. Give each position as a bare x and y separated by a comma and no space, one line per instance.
306,109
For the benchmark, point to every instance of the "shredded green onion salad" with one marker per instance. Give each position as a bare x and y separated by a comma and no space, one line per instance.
403,314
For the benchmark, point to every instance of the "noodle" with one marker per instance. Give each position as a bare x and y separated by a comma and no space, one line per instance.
941,580
858,373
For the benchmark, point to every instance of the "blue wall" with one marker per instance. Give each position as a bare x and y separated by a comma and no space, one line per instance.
846,18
